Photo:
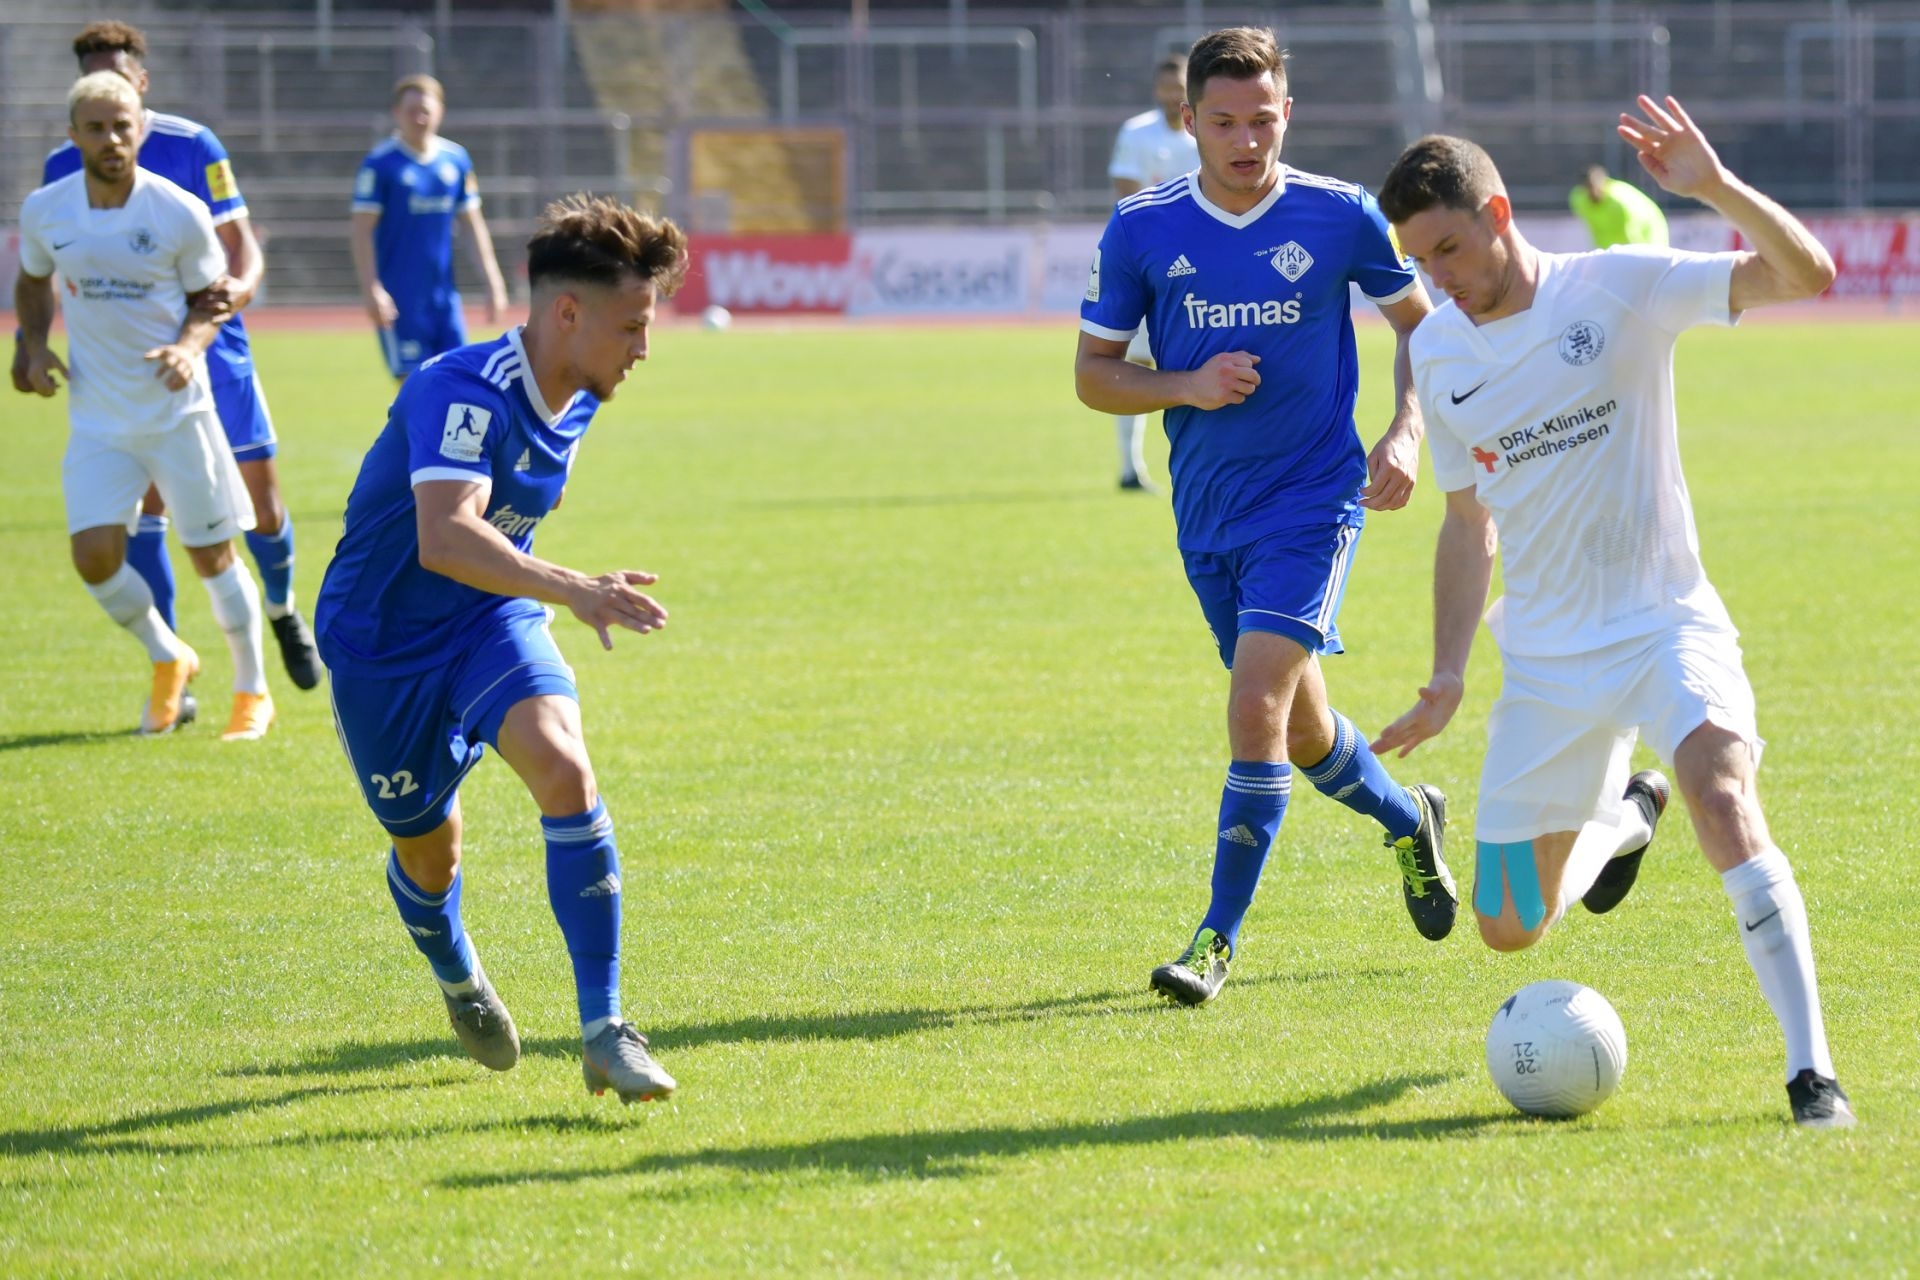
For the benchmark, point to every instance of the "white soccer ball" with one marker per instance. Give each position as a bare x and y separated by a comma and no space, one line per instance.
716,318
1556,1049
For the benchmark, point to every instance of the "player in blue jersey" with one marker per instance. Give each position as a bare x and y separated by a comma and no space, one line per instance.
406,196
433,619
1241,273
191,157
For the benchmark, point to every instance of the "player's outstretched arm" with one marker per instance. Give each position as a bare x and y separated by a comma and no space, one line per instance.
1462,571
457,542
1394,464
379,303
1788,263
489,264
1105,380
246,263
34,362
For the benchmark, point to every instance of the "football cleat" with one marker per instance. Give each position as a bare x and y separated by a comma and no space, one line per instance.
1137,484
1197,976
1819,1102
163,712
296,649
617,1059
1425,883
1648,789
252,715
485,1028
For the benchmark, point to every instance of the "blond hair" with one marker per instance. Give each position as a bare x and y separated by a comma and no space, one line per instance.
425,84
101,86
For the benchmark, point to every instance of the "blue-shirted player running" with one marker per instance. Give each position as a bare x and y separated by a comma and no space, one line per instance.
1241,272
433,619
190,156
406,196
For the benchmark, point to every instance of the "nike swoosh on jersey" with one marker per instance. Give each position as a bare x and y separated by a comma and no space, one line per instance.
1462,399
62,246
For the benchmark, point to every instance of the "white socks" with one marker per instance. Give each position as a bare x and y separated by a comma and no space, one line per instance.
236,607
1772,919
1130,432
128,601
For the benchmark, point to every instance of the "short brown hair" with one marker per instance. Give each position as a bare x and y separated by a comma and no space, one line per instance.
1438,170
110,37
593,240
1239,53
425,84
1173,64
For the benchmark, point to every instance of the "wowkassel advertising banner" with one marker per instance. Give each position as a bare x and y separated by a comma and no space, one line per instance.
1014,271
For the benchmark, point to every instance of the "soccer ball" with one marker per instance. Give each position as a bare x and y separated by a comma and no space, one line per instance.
716,317
1556,1049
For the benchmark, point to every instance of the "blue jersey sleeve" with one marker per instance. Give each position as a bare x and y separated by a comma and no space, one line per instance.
1379,268
213,179
369,188
60,162
453,426
1116,300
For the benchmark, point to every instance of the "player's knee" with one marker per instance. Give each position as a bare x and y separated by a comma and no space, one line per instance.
1503,934
96,559
212,561
1256,710
561,781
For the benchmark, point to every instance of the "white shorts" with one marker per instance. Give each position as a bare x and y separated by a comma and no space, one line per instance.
106,476
1560,736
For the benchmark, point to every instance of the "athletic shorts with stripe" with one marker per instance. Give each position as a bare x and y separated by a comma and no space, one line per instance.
411,739
242,407
1289,583
420,334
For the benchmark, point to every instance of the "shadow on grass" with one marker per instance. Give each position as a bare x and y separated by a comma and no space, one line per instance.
73,738
356,1057
124,1134
949,1153
884,500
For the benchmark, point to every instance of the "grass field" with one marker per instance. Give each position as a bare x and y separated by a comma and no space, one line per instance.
912,792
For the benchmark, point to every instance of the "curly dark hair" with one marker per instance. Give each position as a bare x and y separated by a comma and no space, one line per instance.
594,240
110,37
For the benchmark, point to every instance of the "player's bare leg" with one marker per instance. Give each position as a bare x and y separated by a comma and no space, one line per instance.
100,556
236,607
424,888
542,740
1715,770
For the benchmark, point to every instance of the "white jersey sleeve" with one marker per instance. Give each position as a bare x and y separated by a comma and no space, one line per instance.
1672,288
202,259
36,258
1125,164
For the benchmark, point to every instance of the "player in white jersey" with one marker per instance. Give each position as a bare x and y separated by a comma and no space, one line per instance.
1151,147
145,279
1547,386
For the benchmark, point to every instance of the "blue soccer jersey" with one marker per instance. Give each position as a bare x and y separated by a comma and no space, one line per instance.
416,197
1274,282
471,414
191,157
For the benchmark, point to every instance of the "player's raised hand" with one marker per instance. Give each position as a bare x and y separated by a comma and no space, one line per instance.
1439,699
610,601
1228,378
1672,149
37,372
1391,469
175,365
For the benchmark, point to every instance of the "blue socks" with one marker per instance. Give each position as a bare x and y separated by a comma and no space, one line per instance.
434,921
147,553
583,884
274,555
1251,807
1354,776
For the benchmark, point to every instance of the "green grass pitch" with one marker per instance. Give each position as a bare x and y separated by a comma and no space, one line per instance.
912,792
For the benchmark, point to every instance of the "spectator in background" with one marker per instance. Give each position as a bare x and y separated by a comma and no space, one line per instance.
1616,212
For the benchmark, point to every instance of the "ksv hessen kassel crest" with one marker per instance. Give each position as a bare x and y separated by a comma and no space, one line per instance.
1582,342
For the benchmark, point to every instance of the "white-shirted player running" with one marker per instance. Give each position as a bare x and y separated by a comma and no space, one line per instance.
144,273
1547,386
1151,147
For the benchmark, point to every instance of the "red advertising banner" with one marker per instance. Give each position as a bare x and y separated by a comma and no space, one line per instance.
769,274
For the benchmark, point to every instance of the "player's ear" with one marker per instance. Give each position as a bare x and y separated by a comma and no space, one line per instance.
1499,213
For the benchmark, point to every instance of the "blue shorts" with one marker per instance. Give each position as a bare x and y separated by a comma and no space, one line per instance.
421,335
242,407
411,739
1289,583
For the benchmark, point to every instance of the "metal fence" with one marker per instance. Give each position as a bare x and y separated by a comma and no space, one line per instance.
1004,118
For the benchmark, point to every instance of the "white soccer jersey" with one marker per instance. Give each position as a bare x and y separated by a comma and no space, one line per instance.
125,276
1148,152
1561,419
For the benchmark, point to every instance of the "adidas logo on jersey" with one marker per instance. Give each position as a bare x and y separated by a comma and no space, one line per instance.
1242,834
607,886
1202,314
526,461
1181,267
